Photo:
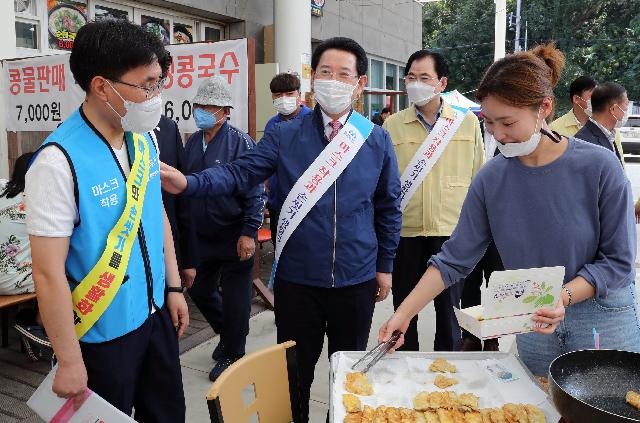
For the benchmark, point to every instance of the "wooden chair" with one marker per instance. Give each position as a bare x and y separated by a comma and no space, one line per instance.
273,373
7,302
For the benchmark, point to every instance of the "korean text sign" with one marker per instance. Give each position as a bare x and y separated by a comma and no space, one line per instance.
41,92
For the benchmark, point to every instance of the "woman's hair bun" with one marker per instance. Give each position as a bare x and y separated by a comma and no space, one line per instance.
553,57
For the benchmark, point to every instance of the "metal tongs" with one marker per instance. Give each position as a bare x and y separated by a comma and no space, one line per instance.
378,352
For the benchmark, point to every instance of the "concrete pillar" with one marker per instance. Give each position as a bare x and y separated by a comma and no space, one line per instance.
500,29
292,22
7,50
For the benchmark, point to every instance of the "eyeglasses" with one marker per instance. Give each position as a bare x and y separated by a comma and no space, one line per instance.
150,91
424,79
340,76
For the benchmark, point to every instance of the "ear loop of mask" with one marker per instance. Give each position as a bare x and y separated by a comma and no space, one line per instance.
121,98
215,115
552,135
624,113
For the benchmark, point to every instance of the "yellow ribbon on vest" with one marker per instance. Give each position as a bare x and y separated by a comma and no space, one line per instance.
94,293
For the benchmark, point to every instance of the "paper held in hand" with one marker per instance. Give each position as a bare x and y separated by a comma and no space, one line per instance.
511,299
54,409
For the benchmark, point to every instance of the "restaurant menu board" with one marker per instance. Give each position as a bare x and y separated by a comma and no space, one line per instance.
65,18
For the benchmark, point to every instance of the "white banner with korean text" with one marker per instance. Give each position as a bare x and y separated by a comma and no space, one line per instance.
40,92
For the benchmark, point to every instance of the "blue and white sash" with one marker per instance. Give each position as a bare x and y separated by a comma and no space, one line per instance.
317,179
428,154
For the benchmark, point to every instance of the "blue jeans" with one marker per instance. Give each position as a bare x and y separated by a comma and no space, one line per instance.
615,319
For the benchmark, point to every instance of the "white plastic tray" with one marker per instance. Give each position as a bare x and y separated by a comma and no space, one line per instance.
400,376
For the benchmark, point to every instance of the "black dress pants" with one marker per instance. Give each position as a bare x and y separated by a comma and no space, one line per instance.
304,314
410,264
227,313
140,369
274,215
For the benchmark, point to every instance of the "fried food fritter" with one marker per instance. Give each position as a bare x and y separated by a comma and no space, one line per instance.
445,416
393,415
422,401
431,417
443,382
468,402
353,418
351,403
486,415
408,415
380,415
419,417
367,414
425,401
534,414
473,417
440,365
633,398
497,416
358,383
515,413
458,416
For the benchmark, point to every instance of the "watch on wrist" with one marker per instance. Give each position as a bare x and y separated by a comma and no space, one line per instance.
179,289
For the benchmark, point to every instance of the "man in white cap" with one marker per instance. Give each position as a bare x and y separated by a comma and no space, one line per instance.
227,225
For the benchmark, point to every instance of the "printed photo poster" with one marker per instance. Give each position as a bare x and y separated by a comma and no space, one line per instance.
182,33
159,26
65,18
316,7
104,12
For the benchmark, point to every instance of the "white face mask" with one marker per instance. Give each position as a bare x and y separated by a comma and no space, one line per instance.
420,93
620,123
140,117
589,110
333,96
518,149
285,105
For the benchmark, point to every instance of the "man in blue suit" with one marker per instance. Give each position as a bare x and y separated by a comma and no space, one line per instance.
337,256
610,111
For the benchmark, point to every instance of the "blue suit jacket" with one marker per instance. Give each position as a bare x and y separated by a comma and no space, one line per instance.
590,132
352,231
178,208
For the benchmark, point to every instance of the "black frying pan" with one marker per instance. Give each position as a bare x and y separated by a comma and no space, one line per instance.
591,385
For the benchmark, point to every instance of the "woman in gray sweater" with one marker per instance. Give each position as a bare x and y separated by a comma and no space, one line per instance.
545,201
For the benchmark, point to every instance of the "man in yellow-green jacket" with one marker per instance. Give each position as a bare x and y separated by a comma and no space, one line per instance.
439,149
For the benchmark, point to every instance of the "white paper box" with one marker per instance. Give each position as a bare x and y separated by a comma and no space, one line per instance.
95,409
511,300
